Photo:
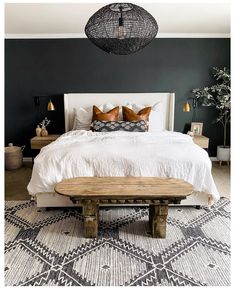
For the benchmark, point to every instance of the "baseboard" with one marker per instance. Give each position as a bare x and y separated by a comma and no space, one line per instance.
27,159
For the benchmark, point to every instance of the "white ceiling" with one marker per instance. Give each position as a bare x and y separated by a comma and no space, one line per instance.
71,18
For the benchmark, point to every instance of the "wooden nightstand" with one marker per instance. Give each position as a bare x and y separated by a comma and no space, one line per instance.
202,141
39,142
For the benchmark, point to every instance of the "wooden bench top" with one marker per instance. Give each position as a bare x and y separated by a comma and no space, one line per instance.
124,188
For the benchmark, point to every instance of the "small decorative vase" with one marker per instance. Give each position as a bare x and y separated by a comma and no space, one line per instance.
44,132
38,131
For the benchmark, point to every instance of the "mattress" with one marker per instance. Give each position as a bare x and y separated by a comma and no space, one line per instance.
83,153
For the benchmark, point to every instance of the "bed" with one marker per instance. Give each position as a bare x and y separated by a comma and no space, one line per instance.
85,153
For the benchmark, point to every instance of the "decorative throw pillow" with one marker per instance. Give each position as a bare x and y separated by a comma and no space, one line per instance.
83,116
111,115
156,117
130,115
104,126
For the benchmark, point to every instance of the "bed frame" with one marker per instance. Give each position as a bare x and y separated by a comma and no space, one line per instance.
73,100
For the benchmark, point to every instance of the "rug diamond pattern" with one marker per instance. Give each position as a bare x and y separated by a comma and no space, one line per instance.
210,260
48,248
109,265
21,264
70,232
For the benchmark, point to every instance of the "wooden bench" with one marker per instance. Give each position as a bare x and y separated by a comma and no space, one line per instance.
158,193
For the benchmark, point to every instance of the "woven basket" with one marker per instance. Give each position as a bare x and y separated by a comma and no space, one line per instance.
13,157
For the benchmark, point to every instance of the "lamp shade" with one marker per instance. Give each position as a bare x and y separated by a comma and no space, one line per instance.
186,107
121,28
50,105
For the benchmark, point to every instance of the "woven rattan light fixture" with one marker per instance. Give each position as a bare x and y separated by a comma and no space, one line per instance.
121,28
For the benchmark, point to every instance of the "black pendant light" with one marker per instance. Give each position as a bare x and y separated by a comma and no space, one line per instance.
121,28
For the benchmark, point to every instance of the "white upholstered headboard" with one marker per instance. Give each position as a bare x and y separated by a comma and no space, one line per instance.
73,100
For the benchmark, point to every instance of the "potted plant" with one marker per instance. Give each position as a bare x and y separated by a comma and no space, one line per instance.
218,96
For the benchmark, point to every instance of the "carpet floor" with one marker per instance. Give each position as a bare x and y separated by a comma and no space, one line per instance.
47,247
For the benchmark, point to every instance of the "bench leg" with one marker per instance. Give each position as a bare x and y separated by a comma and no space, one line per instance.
91,219
157,220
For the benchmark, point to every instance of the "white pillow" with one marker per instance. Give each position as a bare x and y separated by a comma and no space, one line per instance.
156,120
83,116
106,107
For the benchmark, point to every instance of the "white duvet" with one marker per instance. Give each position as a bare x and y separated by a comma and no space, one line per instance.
86,153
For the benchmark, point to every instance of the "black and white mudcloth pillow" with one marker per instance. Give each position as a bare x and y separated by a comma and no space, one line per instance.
105,126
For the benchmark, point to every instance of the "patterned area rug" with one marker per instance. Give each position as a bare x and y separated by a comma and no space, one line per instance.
47,247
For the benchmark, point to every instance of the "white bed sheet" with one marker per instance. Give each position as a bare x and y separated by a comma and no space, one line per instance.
85,153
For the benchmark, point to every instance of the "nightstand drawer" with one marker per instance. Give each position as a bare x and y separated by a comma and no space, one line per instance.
39,142
202,141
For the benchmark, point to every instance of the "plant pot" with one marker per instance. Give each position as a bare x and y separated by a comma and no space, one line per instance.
223,153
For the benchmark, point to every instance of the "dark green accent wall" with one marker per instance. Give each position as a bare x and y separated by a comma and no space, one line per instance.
52,67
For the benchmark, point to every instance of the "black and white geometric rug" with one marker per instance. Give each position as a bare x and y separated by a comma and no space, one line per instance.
47,247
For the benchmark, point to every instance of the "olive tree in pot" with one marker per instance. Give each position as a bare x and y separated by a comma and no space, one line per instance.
219,97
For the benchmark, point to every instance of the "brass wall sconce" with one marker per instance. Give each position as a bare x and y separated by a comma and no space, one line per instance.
187,107
50,105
